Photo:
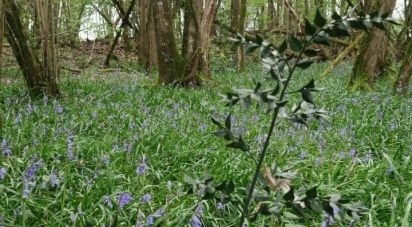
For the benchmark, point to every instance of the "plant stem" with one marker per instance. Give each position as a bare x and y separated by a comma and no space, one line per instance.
272,127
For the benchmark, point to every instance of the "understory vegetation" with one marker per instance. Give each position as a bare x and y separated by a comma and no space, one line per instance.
116,148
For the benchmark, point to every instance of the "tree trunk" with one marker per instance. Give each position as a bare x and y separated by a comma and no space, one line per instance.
402,83
405,73
1,36
271,15
373,53
147,47
238,21
40,81
198,24
170,63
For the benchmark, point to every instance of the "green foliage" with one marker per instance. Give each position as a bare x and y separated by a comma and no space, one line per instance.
281,69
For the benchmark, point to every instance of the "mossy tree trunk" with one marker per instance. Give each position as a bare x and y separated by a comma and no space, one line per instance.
238,22
202,14
170,63
373,57
40,79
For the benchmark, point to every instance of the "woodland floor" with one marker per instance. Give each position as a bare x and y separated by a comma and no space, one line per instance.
114,131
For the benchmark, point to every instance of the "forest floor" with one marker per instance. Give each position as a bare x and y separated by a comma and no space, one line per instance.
117,146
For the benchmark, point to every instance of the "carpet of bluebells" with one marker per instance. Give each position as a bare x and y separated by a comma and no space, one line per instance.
116,149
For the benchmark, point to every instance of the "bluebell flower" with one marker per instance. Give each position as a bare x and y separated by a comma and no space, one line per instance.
146,198
302,155
26,190
53,179
59,109
3,173
70,155
352,152
124,199
29,108
195,221
149,220
5,148
31,171
220,206
141,168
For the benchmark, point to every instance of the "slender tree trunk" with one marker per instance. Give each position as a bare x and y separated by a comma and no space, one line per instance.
373,54
238,21
39,78
170,63
199,18
402,83
405,73
307,7
147,47
271,14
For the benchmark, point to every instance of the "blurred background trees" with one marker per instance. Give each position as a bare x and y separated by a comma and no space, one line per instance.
179,38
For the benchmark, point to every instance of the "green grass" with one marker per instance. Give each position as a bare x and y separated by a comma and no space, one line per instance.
103,115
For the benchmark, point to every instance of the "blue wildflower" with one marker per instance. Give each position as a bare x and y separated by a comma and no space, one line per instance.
220,206
124,199
59,109
26,190
70,155
53,178
146,198
5,148
3,173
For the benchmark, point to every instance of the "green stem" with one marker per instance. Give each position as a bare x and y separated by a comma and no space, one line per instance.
267,142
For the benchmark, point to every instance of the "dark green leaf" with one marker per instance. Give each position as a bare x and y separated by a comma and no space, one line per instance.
208,196
295,44
304,64
276,90
282,104
310,30
374,14
283,47
336,16
310,52
312,193
319,21
228,122
337,32
240,144
216,122
315,205
290,195
307,96
380,26
251,48
357,24
259,40
321,39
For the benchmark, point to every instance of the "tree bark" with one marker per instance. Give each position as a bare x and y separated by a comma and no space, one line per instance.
402,83
147,47
170,63
39,81
238,21
373,53
271,15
